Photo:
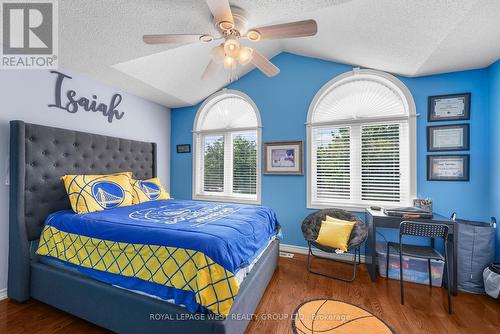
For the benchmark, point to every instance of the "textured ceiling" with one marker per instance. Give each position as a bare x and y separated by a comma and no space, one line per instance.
103,39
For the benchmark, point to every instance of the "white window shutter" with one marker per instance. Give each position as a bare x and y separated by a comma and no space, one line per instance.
244,171
359,132
213,163
381,163
231,112
227,151
331,163
359,98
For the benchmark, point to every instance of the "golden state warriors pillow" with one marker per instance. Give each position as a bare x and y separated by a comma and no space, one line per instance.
148,190
90,193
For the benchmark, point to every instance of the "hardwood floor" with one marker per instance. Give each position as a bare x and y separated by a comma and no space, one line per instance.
424,311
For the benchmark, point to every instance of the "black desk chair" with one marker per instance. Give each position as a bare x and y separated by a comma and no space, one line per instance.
428,230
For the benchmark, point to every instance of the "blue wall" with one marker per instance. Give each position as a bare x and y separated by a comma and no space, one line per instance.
283,102
495,146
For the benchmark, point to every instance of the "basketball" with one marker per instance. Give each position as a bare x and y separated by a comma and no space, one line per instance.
333,316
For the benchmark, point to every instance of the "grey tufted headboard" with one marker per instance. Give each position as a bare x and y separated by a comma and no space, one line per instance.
40,155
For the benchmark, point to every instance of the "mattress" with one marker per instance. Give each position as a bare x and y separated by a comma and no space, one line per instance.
240,275
192,253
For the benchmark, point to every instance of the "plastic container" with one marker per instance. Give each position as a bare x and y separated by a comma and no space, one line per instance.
414,269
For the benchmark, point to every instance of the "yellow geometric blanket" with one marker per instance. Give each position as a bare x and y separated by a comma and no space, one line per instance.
215,287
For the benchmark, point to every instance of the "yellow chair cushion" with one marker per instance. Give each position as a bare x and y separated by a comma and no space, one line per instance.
335,234
90,193
148,190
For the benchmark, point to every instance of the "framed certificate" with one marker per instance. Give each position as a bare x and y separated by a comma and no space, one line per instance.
448,167
448,138
449,107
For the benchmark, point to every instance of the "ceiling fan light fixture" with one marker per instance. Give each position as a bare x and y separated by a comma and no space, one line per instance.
206,38
232,47
229,63
245,55
226,25
253,35
231,22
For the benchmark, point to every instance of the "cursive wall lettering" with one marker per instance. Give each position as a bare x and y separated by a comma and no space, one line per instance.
74,103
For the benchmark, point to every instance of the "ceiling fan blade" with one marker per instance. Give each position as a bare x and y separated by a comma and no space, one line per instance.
222,13
175,38
263,64
287,30
210,71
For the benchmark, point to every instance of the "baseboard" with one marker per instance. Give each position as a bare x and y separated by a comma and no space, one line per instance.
3,294
320,253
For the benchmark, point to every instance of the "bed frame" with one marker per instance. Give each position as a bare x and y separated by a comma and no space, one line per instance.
39,156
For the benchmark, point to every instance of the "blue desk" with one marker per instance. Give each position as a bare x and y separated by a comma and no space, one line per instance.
375,219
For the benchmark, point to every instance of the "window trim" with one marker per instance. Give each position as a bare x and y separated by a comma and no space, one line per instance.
412,125
212,99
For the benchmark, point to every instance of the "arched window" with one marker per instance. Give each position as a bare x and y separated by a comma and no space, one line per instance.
361,133
227,149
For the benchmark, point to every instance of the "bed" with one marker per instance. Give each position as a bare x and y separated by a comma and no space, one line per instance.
239,239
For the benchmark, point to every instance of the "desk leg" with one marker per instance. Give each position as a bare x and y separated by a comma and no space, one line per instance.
370,251
452,264
454,256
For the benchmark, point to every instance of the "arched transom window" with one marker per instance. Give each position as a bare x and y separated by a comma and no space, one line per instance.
227,149
361,139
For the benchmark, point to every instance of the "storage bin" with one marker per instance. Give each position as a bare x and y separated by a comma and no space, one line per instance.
414,269
476,250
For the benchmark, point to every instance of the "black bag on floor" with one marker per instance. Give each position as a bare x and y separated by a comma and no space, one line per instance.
476,251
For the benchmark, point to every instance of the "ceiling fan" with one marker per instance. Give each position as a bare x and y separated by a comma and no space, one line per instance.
231,22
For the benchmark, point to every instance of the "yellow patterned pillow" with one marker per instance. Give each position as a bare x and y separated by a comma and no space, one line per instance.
90,193
148,190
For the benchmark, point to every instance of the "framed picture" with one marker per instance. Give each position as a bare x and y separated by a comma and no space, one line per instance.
449,107
283,157
448,167
448,138
183,148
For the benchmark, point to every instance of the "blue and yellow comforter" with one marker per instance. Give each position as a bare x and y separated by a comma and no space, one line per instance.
183,250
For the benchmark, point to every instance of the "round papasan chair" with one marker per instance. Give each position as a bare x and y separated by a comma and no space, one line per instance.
310,229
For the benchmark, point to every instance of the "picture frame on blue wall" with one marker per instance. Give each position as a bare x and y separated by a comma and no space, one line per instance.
448,167
451,137
451,107
284,157
183,148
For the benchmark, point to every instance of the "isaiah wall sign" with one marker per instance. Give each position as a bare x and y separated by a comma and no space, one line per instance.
72,103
